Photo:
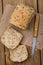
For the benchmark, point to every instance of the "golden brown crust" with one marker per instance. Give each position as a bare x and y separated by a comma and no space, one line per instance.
21,16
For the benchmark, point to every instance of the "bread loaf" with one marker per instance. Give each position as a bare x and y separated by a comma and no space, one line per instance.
11,38
21,16
19,54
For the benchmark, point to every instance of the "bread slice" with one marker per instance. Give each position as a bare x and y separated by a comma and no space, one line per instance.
11,38
21,16
19,54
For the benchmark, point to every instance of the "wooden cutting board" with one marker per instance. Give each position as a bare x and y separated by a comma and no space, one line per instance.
27,40
40,33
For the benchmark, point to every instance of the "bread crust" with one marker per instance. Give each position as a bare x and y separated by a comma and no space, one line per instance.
19,54
21,16
11,38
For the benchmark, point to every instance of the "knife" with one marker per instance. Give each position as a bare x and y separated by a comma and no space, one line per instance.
35,34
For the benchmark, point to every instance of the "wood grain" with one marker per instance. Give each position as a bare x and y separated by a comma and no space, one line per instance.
40,5
42,56
2,58
40,37
0,9
40,33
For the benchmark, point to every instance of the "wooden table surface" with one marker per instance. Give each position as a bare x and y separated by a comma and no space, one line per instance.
38,6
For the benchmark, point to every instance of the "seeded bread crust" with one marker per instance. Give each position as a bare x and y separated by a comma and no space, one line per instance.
21,16
19,54
11,38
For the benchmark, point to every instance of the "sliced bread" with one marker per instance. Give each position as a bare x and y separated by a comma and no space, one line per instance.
19,54
21,16
11,38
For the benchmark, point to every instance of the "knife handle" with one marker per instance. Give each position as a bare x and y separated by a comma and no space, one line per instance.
36,25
